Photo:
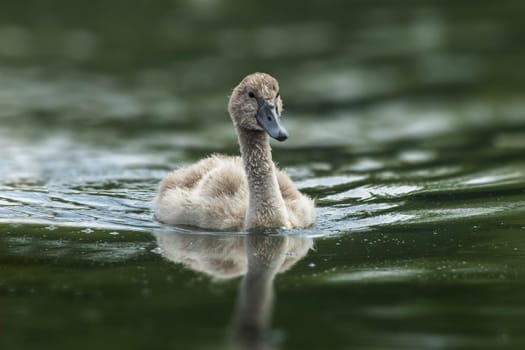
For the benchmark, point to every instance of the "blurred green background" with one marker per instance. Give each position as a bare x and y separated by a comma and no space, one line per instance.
172,63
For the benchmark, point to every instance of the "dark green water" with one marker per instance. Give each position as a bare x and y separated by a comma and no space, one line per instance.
407,124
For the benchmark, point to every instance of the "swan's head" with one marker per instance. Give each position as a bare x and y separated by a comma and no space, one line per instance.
255,104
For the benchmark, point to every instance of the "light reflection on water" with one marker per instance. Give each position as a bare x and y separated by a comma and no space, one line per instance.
59,180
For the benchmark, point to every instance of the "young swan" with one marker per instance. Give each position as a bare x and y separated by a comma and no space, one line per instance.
239,193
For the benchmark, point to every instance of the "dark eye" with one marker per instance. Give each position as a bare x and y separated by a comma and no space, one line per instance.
251,94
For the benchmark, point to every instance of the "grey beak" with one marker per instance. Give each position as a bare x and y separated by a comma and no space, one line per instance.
269,120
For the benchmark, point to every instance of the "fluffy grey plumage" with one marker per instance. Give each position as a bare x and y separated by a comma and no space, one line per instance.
239,193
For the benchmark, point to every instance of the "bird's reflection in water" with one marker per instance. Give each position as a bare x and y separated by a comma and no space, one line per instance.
259,257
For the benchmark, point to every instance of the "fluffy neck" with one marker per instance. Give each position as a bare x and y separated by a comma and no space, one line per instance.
266,205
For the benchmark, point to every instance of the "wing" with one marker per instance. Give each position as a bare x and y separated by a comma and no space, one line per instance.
212,193
300,207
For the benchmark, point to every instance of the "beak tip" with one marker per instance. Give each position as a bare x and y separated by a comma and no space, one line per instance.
283,136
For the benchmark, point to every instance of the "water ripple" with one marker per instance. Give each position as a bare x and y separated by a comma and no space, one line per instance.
88,186
368,192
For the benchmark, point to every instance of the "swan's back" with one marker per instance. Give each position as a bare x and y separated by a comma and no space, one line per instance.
301,208
213,193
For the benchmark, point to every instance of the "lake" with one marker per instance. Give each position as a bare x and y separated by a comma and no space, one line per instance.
407,126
